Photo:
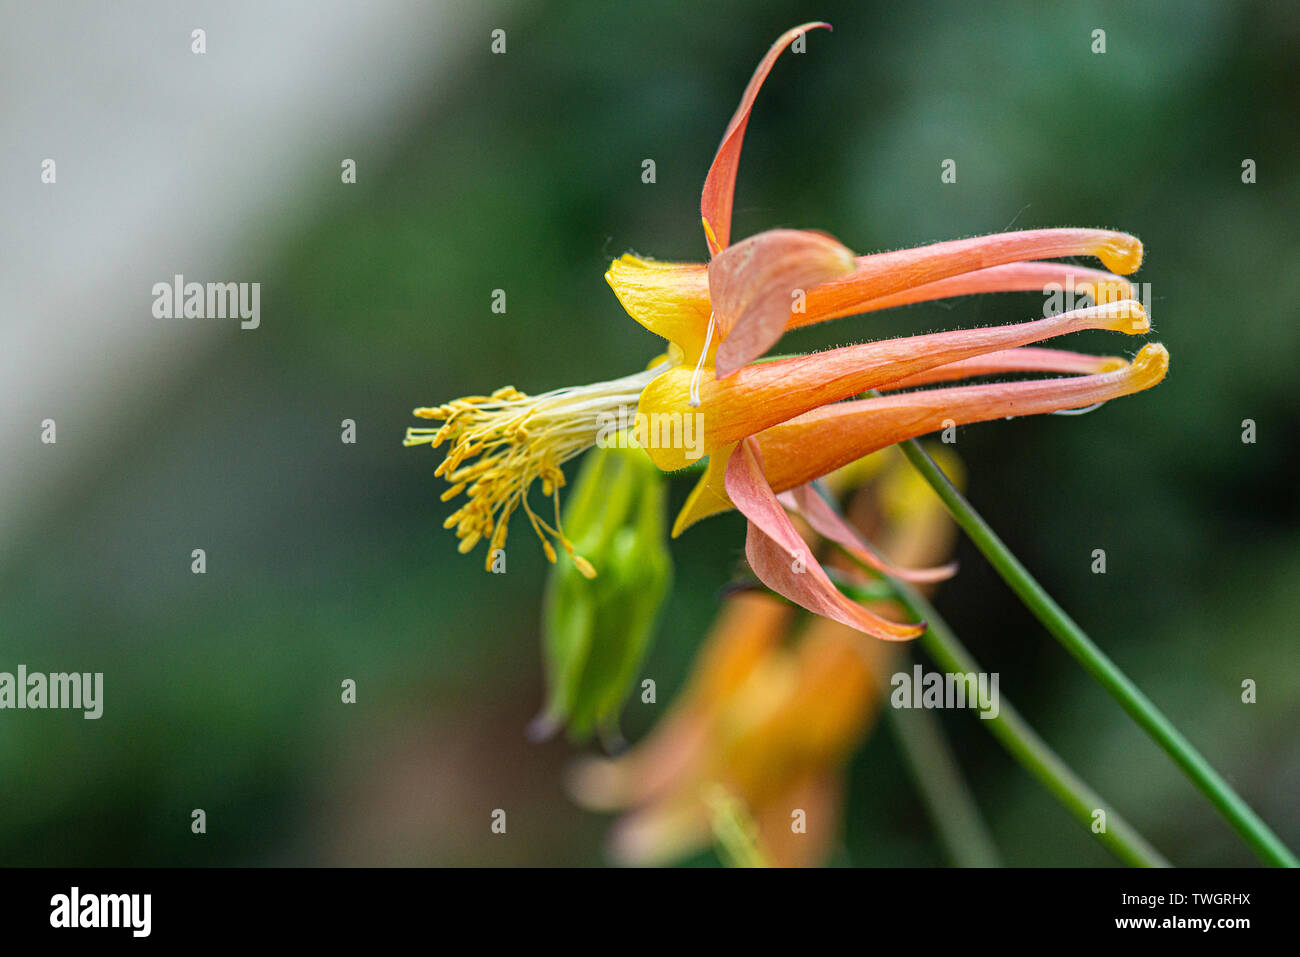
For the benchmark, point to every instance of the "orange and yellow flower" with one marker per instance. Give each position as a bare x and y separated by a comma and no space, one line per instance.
771,427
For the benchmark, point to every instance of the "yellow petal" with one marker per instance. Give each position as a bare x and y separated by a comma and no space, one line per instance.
709,497
670,299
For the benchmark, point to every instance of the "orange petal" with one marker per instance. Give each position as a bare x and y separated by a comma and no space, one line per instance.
720,184
812,445
754,283
831,525
886,274
660,833
764,394
1024,359
782,559
1102,286
820,795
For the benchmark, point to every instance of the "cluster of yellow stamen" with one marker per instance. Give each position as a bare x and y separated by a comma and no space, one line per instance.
504,442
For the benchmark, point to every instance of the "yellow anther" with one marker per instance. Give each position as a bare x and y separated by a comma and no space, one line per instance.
516,440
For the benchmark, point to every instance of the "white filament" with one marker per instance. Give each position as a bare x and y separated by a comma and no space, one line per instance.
699,366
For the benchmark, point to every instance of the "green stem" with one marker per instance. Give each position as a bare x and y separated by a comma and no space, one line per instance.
1239,814
735,833
1024,744
943,788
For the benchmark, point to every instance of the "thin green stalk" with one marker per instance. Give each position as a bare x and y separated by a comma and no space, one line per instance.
1024,744
1239,814
939,779
735,832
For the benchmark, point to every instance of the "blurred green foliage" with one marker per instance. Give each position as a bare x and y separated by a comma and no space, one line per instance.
328,561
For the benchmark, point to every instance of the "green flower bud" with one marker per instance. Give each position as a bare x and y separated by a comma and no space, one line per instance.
595,632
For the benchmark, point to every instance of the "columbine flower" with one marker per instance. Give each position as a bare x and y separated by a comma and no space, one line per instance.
772,427
770,714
